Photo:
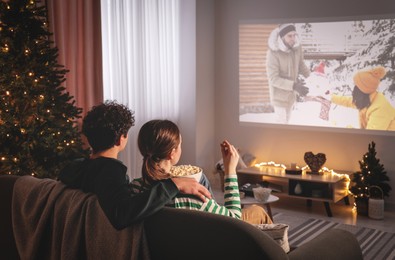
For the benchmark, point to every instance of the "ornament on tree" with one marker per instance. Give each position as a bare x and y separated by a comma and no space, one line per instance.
38,131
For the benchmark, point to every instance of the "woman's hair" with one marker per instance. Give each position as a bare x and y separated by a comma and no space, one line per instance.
105,123
360,99
156,141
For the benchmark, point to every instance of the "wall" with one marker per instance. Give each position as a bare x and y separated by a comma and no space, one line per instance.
284,145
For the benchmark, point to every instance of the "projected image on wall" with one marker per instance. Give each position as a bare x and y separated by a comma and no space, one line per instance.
325,74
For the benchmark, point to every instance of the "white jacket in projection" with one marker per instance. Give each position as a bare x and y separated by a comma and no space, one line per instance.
283,66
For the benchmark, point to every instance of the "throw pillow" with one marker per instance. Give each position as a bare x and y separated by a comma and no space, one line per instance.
279,232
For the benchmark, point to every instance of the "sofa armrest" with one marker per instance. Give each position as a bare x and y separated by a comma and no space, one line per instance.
332,244
188,234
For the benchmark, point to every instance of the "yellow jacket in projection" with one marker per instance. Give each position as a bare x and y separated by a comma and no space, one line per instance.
380,115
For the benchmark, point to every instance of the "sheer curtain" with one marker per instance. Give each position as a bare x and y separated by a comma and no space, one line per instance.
140,41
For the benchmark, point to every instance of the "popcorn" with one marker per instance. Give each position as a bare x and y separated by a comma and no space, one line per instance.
184,170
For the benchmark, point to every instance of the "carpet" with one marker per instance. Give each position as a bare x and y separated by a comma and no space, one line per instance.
375,244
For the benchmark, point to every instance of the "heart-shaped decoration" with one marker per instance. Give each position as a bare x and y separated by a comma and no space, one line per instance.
314,161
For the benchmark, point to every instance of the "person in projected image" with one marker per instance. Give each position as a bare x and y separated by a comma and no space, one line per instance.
375,112
284,64
159,143
106,127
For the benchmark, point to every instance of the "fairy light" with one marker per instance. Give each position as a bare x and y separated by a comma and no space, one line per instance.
5,48
271,163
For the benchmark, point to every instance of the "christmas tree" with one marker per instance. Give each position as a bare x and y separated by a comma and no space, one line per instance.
372,173
38,133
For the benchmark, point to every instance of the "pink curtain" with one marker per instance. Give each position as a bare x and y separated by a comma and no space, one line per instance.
76,28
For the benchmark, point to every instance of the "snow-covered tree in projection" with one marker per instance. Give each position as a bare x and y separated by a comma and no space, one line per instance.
379,50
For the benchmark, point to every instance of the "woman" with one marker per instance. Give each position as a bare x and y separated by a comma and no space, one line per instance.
375,112
159,142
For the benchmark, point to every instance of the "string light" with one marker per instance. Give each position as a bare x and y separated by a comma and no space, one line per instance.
271,163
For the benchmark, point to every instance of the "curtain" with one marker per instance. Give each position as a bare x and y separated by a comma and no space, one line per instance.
76,31
140,41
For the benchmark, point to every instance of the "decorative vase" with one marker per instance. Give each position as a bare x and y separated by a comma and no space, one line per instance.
298,189
376,204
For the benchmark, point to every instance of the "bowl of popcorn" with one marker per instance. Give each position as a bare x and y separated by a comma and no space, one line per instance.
188,171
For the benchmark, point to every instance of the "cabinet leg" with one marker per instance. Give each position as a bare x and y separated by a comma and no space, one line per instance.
346,200
309,203
269,211
328,209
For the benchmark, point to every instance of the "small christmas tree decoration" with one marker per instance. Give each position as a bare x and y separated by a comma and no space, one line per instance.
372,173
38,130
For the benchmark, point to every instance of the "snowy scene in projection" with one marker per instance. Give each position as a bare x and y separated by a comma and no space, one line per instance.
334,52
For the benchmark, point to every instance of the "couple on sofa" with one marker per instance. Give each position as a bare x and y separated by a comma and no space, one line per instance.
106,127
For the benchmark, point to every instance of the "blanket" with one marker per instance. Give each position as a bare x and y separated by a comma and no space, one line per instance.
51,221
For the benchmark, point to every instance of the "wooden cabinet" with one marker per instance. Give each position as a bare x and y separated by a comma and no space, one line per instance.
326,187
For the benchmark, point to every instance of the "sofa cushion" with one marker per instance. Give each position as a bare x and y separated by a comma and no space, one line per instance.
279,232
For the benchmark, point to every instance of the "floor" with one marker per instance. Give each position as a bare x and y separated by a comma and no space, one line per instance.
341,213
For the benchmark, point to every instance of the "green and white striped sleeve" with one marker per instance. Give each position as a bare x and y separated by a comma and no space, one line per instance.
232,207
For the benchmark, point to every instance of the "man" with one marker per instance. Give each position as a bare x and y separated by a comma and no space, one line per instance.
285,62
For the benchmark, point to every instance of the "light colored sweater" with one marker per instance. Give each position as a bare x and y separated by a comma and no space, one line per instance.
231,208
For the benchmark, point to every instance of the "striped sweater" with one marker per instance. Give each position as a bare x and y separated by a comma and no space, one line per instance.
231,208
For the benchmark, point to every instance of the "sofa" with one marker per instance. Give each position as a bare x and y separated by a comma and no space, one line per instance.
167,234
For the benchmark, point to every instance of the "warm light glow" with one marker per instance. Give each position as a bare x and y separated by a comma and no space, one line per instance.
271,163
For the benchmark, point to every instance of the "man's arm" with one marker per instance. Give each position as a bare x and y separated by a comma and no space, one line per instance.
122,208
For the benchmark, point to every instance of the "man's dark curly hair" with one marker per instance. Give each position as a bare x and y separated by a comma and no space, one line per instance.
105,123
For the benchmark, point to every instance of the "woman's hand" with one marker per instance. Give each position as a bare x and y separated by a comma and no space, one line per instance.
230,156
